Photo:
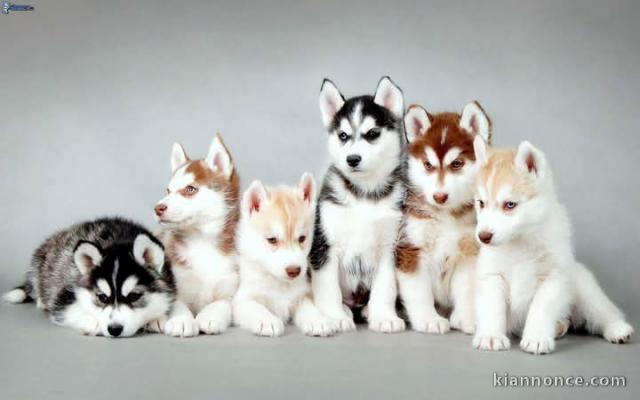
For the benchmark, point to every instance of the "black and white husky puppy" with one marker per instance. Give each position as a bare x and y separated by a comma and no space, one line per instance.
360,207
104,277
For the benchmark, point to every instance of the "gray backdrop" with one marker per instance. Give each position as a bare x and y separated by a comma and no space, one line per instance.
93,94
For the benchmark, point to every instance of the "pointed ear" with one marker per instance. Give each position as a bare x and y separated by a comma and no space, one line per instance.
331,101
475,120
416,122
480,149
87,256
531,160
254,198
389,96
178,157
147,252
218,158
307,188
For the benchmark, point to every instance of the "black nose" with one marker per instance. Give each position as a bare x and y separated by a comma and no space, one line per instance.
115,330
353,160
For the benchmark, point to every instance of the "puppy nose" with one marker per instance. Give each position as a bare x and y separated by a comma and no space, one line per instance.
485,237
160,209
440,198
115,330
293,271
353,160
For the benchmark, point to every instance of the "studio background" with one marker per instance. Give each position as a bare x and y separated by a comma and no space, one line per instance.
94,93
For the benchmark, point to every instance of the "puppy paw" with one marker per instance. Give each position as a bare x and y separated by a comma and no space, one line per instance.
343,321
89,325
537,344
387,325
436,325
320,327
618,332
491,342
211,324
181,327
562,327
156,326
270,327
465,325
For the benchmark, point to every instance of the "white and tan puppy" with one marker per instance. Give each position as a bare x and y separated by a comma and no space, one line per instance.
198,217
274,239
528,279
437,251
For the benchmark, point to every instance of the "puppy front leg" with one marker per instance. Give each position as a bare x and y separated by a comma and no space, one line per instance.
75,317
382,300
215,317
180,322
550,304
325,284
462,293
310,320
416,294
255,317
491,314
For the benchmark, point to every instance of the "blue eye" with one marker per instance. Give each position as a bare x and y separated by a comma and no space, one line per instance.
509,205
343,136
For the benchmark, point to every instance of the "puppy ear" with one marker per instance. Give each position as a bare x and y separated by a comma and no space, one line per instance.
480,149
307,188
531,160
254,198
86,256
389,96
416,122
147,252
218,158
476,121
178,157
331,101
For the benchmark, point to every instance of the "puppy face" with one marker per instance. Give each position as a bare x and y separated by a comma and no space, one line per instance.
365,137
509,194
121,286
277,227
200,191
441,158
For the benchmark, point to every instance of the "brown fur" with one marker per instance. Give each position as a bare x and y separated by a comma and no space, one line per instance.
500,170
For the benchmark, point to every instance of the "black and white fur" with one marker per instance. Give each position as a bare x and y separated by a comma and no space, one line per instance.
105,277
360,207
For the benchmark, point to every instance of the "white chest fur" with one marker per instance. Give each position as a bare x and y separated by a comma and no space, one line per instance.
208,276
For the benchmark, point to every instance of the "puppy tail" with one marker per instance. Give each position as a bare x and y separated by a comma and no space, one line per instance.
20,294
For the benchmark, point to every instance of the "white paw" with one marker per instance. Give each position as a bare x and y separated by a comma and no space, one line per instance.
343,321
436,325
320,327
387,325
465,325
181,327
89,325
562,327
268,327
156,326
618,332
538,344
211,324
491,342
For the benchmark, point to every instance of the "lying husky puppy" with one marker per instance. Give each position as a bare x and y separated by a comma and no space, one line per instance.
360,207
106,277
528,278
436,255
274,238
198,219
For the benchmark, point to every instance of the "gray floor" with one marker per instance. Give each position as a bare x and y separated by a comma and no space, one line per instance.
40,360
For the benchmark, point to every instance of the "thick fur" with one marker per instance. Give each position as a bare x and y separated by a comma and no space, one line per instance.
437,252
198,220
274,239
105,277
360,207
528,279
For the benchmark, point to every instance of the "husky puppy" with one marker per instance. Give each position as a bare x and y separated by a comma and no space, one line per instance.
198,219
528,279
360,207
106,277
437,252
274,239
